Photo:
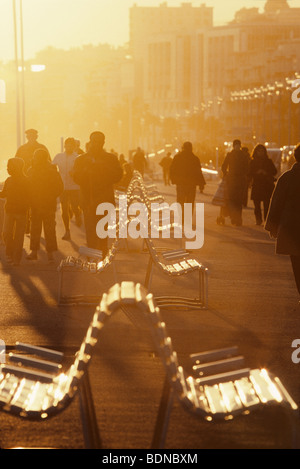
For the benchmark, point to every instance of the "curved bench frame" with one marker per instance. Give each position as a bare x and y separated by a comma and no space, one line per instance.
213,394
177,263
92,263
219,388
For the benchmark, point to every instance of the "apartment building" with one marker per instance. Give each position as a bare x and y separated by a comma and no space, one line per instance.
164,45
185,63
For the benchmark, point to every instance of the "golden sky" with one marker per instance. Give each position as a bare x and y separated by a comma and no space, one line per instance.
72,23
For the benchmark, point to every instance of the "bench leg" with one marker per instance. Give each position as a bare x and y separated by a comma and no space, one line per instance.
203,289
88,415
60,285
163,416
148,278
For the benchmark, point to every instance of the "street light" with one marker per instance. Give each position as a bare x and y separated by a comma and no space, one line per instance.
289,88
17,74
20,94
37,68
279,90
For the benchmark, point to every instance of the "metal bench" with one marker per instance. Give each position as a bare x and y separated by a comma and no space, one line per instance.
219,388
91,263
175,264
33,385
35,388
160,222
149,192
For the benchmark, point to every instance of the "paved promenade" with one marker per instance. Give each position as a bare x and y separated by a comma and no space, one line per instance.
253,303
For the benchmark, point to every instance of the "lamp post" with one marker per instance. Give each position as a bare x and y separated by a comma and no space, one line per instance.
288,89
279,90
22,71
270,93
20,91
18,110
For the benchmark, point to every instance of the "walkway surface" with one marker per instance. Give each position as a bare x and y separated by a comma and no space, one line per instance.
253,303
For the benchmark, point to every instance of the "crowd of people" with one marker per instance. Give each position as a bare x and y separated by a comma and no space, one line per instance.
81,180
276,204
242,171
276,197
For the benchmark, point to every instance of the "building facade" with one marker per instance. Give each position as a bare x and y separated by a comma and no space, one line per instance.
188,68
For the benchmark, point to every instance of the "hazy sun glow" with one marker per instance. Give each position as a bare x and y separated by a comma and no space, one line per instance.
72,23
180,78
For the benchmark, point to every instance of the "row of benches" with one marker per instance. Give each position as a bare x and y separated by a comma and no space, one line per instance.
173,263
218,386
35,387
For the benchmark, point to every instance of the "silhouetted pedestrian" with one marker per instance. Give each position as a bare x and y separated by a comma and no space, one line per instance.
186,173
139,161
283,220
202,182
46,186
165,163
16,193
126,178
78,149
70,198
96,172
235,169
27,150
246,193
262,172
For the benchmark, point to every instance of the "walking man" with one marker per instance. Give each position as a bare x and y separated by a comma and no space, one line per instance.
139,161
283,220
165,163
70,198
186,173
96,172
16,193
235,171
45,187
27,150
262,172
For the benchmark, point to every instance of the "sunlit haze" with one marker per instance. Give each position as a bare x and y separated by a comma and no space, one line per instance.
149,73
72,23
149,177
